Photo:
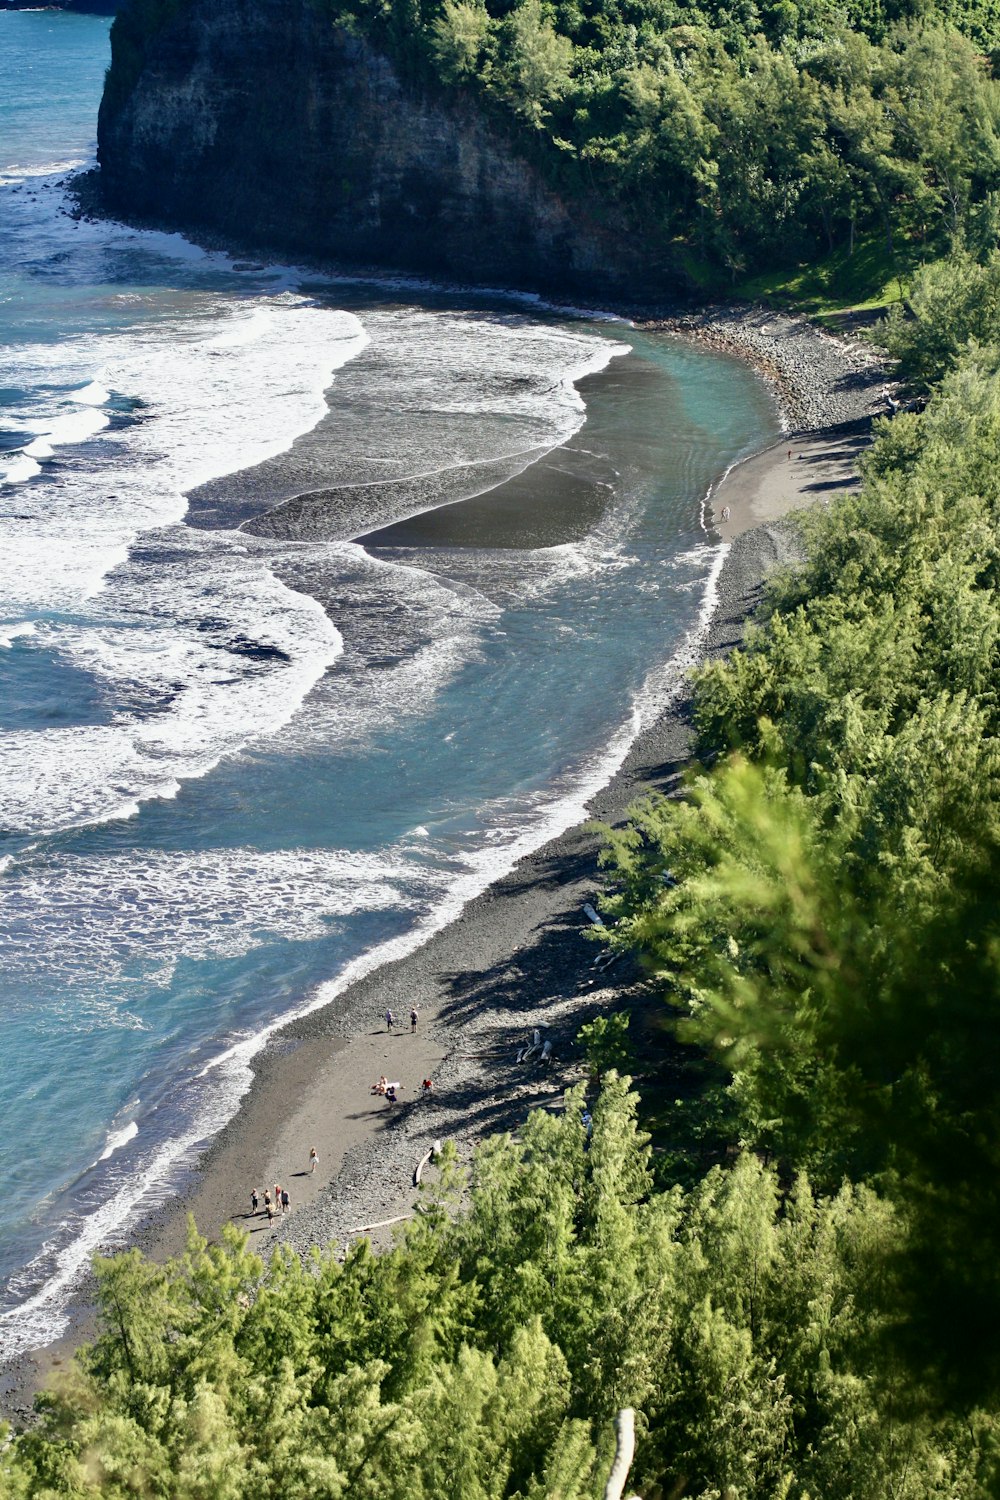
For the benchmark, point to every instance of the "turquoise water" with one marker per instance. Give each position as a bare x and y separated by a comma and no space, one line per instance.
240,758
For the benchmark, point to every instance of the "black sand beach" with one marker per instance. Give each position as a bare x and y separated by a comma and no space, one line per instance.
517,957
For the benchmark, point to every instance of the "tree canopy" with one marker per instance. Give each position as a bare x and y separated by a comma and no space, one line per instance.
486,1355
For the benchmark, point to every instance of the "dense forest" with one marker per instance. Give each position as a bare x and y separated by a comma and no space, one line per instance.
815,1317
743,138
487,1355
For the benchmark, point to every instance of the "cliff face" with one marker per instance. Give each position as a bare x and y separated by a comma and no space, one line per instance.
261,120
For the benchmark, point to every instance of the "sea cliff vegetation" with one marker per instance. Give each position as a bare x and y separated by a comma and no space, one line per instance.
739,137
486,1356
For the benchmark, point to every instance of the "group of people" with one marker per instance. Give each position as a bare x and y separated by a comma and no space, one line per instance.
389,1091
390,1019
277,1200
279,1203
383,1088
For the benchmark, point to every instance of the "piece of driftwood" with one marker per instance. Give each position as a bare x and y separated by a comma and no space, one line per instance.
418,1170
624,1453
524,1053
592,915
382,1224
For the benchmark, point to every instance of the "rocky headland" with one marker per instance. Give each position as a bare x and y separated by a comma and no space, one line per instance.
273,126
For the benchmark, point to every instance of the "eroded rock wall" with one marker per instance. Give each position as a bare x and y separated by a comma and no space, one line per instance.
262,121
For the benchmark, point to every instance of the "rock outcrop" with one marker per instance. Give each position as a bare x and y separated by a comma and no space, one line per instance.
265,123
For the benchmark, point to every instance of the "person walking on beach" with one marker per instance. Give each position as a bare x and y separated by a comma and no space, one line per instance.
254,1200
413,1020
285,1202
313,1159
270,1210
389,1020
267,1198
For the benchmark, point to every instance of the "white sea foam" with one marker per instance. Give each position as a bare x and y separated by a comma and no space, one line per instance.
212,650
15,172
10,633
119,913
92,394
74,427
205,635
208,408
18,469
119,1138
506,384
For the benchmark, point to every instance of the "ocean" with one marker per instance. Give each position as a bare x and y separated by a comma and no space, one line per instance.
322,601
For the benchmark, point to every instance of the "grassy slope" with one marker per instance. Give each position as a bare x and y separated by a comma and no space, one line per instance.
840,288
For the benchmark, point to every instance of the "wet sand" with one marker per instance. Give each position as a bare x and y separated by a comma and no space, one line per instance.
799,470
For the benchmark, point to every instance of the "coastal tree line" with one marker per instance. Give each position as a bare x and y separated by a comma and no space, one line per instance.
733,137
486,1356
829,931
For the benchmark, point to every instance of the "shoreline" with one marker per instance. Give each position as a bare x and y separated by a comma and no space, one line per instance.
514,958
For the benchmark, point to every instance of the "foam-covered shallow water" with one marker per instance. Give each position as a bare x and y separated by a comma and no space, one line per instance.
321,602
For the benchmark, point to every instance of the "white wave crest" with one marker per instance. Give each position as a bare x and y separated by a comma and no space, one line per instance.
119,1138
212,642
92,394
10,633
208,409
19,469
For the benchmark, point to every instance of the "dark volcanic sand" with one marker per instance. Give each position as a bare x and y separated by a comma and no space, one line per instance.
516,958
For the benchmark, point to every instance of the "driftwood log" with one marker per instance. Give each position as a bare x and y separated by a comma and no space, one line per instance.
624,1453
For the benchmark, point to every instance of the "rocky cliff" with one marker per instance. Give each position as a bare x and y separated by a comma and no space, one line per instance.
263,121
